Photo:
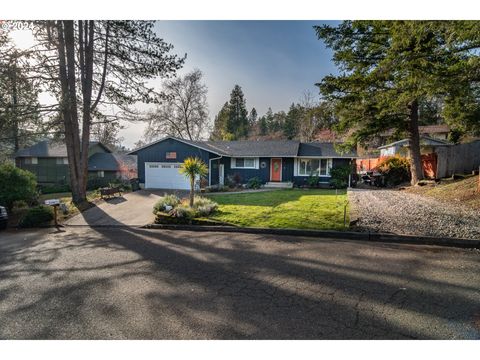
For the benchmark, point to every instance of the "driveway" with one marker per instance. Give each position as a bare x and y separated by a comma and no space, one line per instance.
400,212
130,283
131,209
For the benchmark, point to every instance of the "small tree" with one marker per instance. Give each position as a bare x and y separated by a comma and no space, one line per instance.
16,184
192,168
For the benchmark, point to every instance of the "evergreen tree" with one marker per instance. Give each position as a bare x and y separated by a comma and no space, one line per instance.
252,118
237,124
220,124
269,120
290,128
263,126
389,68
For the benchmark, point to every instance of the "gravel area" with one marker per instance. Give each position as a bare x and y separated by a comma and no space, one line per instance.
395,211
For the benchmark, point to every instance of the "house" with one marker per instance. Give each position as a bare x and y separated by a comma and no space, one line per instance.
439,132
49,162
275,162
427,146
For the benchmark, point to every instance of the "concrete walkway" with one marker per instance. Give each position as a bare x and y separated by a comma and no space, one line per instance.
131,209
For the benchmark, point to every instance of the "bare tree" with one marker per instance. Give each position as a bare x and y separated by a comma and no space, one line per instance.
184,113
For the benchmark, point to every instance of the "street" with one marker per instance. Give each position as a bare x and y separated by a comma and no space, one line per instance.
132,283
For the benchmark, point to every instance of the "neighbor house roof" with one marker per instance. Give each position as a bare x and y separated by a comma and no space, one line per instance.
111,162
424,129
267,148
47,148
322,149
424,140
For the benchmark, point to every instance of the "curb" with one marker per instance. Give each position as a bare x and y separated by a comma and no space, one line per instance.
331,234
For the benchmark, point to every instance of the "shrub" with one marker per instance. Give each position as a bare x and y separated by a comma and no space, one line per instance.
233,181
36,216
313,180
395,170
254,183
166,200
183,212
16,184
203,206
339,176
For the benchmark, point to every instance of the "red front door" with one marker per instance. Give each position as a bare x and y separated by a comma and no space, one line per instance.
276,170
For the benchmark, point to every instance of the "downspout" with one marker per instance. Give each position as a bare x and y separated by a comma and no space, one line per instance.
210,169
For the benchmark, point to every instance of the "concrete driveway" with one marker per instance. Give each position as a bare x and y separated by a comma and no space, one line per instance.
131,283
131,209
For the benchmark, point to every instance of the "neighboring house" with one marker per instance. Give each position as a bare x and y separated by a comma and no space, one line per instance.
273,161
400,147
49,162
432,131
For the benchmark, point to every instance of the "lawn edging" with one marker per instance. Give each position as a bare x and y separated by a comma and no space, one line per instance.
330,234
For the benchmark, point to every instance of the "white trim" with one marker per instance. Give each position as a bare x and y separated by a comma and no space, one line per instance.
281,168
233,160
221,174
210,169
173,138
328,166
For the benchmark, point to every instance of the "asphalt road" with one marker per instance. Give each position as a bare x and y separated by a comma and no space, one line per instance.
126,283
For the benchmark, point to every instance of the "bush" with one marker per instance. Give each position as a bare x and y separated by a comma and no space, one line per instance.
183,212
339,176
166,200
36,216
203,206
16,184
57,188
254,183
395,170
233,181
313,180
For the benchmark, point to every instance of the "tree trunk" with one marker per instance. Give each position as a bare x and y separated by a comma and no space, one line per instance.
192,190
15,105
414,144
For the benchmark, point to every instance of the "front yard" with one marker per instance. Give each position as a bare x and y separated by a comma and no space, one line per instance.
292,208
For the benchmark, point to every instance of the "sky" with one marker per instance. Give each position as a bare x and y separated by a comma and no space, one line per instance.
274,62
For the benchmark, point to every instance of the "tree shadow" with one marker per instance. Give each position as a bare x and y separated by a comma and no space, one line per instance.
172,284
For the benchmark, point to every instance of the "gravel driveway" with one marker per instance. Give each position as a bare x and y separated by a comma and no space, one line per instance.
395,211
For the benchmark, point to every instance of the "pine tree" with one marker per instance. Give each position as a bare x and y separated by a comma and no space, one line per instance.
237,124
290,128
263,126
220,124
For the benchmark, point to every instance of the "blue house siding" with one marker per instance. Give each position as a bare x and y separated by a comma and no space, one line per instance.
157,153
245,174
336,162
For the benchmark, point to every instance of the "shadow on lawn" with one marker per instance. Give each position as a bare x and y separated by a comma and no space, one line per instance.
210,285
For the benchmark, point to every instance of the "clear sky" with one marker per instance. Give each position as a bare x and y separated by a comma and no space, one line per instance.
273,61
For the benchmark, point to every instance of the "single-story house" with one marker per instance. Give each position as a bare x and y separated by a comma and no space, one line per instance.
427,145
275,162
49,162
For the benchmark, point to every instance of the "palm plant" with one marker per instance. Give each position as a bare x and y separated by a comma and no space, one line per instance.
193,168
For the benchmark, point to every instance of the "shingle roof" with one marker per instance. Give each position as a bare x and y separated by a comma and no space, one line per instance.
43,149
424,140
47,148
111,162
283,148
322,149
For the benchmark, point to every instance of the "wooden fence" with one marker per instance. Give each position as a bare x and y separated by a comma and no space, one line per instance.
457,159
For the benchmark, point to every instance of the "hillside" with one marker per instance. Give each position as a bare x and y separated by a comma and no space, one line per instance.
462,191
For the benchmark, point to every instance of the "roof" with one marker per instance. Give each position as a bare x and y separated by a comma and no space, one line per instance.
111,162
47,148
254,148
425,140
424,129
324,149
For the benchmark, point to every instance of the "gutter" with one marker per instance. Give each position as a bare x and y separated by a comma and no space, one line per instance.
210,169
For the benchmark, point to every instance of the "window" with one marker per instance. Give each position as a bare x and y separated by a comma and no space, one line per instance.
244,163
100,174
318,167
62,161
31,161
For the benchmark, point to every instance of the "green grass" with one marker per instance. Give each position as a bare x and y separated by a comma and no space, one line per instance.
292,208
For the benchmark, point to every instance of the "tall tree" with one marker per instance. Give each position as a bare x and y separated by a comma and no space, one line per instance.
237,124
220,125
107,133
252,118
390,68
263,126
184,112
95,64
292,121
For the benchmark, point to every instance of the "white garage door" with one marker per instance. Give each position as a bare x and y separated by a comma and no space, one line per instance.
165,176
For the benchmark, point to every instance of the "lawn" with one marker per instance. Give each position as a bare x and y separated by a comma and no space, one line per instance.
292,208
